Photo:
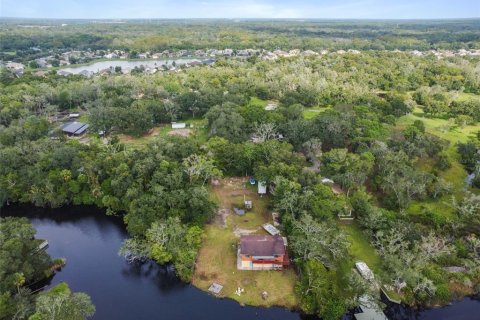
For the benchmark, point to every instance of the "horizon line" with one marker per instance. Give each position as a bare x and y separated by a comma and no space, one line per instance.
246,18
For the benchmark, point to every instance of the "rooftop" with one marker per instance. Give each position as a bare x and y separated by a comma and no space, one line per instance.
74,127
260,245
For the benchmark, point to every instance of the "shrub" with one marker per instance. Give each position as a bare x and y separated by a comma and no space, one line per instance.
443,293
443,162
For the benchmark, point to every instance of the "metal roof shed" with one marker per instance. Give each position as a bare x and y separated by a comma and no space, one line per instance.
270,229
74,128
82,130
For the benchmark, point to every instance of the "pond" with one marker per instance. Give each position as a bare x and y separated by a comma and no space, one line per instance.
124,64
90,240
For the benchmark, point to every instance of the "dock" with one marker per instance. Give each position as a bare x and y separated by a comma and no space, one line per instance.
370,310
42,246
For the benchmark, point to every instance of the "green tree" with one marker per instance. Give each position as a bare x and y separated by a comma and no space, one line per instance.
60,303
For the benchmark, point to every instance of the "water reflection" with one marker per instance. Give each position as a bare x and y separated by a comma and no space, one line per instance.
90,241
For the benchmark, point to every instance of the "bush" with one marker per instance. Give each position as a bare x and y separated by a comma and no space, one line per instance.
462,251
436,274
464,120
437,220
476,181
443,162
443,293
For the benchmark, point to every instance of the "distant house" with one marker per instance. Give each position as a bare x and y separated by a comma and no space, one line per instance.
74,128
178,125
86,73
63,73
209,62
12,66
262,187
194,63
259,252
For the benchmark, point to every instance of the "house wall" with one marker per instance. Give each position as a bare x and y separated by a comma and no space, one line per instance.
249,263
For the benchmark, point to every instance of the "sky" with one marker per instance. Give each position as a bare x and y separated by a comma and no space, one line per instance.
301,9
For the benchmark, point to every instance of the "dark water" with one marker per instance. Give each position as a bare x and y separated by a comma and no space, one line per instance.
89,241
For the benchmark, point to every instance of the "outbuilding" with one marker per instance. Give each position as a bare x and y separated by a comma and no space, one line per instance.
74,128
178,125
262,187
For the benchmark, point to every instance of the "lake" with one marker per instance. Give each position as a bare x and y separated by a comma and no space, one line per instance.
90,240
124,64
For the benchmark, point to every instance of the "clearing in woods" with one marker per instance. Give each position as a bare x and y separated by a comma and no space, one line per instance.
217,258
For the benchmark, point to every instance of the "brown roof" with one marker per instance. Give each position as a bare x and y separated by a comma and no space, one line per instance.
258,245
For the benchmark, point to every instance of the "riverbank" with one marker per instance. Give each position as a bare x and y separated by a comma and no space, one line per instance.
90,240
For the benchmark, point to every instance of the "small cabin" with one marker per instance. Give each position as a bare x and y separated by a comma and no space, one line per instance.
260,252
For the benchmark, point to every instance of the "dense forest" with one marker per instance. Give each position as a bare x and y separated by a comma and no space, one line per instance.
21,36
397,133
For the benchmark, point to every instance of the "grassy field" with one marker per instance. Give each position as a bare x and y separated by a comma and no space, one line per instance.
310,113
442,128
197,130
456,175
216,261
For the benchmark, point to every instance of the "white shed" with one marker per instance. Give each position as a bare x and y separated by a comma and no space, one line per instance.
178,125
262,187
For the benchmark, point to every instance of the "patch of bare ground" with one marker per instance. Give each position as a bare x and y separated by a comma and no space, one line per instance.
180,132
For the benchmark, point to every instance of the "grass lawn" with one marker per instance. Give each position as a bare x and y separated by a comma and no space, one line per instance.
442,128
360,248
310,113
164,129
462,96
217,258
258,101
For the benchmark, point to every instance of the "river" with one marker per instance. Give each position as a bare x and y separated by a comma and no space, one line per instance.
90,240
124,64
